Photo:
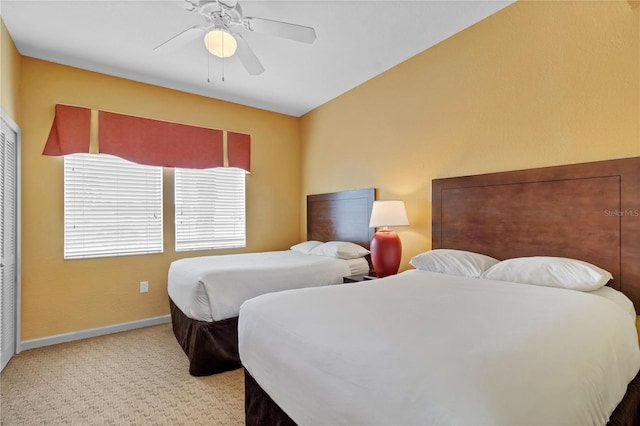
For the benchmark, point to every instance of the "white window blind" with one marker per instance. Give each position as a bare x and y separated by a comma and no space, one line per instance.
112,207
210,208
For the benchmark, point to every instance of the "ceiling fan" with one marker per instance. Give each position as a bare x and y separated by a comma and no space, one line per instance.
224,19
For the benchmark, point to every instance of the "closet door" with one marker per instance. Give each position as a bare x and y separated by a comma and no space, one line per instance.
9,294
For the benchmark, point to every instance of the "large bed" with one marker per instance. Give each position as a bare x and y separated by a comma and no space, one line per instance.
426,347
205,293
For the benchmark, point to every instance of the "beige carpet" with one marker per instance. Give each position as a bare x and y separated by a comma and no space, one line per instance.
137,377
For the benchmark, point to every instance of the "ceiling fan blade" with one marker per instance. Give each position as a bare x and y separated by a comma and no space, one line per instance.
281,29
247,57
229,4
181,39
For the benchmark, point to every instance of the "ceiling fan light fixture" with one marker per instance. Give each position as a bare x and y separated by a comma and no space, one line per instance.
220,43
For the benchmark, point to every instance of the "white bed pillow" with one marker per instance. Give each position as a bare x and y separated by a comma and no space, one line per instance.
559,272
306,246
453,262
340,249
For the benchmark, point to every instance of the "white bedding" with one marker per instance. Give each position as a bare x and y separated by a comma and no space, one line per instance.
212,288
425,348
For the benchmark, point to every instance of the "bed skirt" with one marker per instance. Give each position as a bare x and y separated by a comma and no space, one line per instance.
627,413
259,408
212,347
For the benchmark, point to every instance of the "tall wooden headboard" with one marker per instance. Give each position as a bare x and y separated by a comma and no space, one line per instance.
588,211
341,216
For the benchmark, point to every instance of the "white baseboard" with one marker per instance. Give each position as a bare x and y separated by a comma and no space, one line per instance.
92,332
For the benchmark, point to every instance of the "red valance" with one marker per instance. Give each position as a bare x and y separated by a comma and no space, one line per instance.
159,143
146,141
239,150
70,131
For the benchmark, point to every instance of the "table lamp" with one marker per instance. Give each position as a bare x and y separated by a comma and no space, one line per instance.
386,248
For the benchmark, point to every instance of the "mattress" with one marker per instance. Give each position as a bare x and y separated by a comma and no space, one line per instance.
426,348
212,288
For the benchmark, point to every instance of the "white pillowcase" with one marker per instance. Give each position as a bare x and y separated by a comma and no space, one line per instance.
340,249
558,272
453,262
306,246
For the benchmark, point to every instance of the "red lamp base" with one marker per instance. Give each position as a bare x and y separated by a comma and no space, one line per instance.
386,252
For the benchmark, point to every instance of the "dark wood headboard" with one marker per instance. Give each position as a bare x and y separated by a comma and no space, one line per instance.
588,211
341,216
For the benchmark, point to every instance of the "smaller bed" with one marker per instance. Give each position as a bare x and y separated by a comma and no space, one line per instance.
212,288
205,293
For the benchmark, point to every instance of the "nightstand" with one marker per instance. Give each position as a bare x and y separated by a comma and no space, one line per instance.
359,278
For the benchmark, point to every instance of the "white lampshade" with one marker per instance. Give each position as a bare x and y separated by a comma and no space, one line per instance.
388,213
220,42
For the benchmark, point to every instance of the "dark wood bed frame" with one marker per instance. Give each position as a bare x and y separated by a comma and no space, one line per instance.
341,216
212,347
588,211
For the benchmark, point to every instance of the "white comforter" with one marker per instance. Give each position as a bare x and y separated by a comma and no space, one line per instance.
212,288
422,348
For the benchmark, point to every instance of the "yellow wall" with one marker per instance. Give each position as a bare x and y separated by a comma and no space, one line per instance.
9,74
537,84
64,296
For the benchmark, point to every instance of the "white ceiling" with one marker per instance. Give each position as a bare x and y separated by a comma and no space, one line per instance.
356,40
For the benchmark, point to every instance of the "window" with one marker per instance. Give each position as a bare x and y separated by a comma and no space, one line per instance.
210,208
112,207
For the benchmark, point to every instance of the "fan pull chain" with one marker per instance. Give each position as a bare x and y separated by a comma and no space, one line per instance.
209,64
223,58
